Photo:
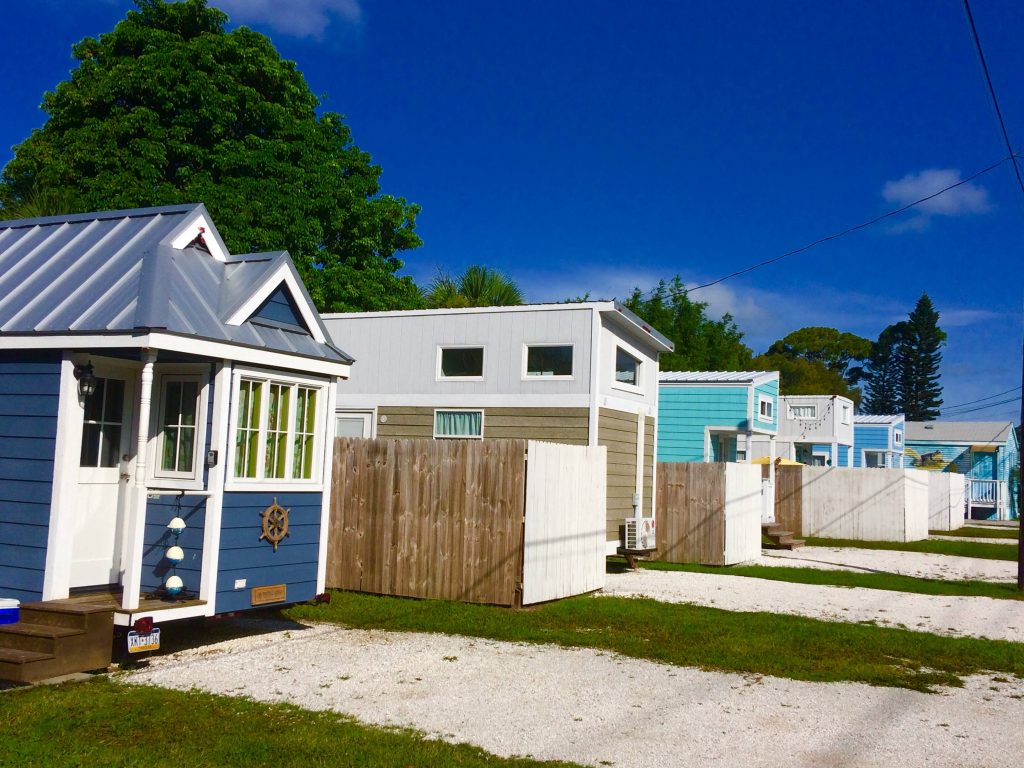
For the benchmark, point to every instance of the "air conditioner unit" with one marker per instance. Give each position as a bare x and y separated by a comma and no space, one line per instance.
640,533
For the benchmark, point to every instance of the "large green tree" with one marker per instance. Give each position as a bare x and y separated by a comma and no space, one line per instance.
920,356
170,107
702,344
476,287
840,352
883,373
799,376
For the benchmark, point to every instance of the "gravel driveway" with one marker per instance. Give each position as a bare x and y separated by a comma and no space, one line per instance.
965,616
600,708
921,564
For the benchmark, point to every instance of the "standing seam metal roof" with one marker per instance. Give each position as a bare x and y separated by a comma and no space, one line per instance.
714,377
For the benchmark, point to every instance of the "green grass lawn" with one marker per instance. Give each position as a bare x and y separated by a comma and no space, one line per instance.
886,581
977,549
103,723
687,635
980,532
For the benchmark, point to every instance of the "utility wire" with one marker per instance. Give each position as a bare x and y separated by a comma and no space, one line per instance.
945,412
981,399
848,230
992,92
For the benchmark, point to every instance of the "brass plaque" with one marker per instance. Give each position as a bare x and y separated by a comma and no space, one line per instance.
275,593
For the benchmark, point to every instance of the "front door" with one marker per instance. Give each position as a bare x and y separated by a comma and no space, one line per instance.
102,480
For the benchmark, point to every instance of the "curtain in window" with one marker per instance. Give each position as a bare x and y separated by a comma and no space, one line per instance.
458,423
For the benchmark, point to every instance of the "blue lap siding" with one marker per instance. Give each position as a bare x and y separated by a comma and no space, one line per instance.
770,390
157,539
244,556
29,393
869,437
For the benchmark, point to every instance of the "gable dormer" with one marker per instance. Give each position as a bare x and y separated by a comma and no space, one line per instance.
281,309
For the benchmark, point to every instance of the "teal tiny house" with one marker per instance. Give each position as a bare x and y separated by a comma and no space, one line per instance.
167,409
985,451
715,415
878,441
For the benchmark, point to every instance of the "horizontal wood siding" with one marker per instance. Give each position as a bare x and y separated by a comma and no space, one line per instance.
691,512
244,556
557,425
616,430
650,425
157,539
29,393
769,389
684,412
428,518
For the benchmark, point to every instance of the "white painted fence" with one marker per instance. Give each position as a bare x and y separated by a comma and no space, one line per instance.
564,531
875,505
743,512
947,501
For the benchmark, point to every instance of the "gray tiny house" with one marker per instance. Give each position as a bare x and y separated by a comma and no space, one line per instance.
166,408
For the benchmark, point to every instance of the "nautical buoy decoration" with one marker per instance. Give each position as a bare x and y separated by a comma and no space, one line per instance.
174,585
175,554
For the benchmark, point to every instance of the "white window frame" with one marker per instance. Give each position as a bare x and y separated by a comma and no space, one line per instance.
286,483
615,383
846,414
827,459
897,438
814,411
762,400
526,357
433,425
369,417
864,458
439,376
156,477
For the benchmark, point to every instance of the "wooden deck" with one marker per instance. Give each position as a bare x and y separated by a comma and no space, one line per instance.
90,602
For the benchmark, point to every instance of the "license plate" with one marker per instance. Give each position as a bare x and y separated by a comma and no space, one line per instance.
139,643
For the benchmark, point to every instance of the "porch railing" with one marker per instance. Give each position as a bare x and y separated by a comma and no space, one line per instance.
988,493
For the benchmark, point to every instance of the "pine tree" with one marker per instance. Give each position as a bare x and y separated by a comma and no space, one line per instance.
921,358
882,377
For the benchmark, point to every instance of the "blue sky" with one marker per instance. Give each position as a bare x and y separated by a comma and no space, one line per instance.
595,146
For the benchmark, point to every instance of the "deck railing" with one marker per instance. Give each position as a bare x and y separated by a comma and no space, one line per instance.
988,493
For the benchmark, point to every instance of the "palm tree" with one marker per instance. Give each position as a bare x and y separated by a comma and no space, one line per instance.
476,287
40,201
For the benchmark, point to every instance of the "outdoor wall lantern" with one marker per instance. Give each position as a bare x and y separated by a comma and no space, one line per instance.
86,380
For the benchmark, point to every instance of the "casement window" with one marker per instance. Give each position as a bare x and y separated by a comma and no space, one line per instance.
179,423
766,409
458,424
803,411
465,363
627,368
275,430
552,361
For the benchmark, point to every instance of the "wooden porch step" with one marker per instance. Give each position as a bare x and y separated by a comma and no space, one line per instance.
55,638
781,538
34,637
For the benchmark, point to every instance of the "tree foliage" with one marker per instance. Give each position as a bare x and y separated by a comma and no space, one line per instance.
702,344
169,107
799,376
476,287
840,352
882,375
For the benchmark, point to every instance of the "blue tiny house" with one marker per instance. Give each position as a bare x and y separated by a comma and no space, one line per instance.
167,408
878,440
985,451
715,415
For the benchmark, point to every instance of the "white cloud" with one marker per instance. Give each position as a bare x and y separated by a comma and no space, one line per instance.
957,318
965,200
298,18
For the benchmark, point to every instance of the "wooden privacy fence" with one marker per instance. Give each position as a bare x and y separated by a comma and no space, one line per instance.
708,513
507,522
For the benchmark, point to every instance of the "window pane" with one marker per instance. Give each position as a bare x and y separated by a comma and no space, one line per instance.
349,426
189,399
462,361
549,361
113,401
170,442
310,411
94,404
458,423
172,403
185,448
110,445
626,367
90,445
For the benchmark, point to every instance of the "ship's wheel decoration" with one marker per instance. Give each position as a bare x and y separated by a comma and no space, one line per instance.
275,523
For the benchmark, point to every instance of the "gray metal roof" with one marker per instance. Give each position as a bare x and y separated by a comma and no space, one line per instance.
117,272
715,377
977,432
864,418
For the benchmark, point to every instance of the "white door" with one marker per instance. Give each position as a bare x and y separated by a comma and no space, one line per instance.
102,480
353,424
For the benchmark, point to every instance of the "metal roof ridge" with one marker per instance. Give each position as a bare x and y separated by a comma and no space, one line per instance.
123,213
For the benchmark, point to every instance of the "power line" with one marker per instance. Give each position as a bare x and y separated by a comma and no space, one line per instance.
847,231
981,407
992,92
982,399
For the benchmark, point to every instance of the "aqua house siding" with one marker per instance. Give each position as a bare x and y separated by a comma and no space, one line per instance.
244,556
29,390
685,413
770,390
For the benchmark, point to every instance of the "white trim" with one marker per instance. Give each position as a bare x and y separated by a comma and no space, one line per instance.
363,402
125,618
286,483
752,381
188,232
627,406
165,479
886,458
60,536
845,414
639,483
566,307
637,388
186,344
342,412
708,429
761,399
325,500
283,274
135,529
527,345
439,376
219,429
812,417
596,336
458,410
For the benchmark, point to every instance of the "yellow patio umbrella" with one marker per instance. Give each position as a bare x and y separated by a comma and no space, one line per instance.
778,462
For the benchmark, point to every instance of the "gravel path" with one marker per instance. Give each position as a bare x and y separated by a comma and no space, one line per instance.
921,564
602,709
960,616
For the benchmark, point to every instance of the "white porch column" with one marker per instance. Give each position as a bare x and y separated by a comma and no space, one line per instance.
770,505
132,580
835,454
